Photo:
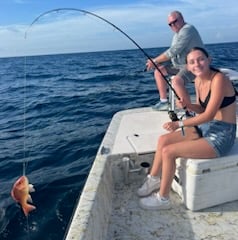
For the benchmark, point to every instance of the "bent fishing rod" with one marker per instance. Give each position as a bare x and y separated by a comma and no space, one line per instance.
114,26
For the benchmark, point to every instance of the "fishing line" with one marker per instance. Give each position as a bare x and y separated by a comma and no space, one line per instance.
24,123
115,27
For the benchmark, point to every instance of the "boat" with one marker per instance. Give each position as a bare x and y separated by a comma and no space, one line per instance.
108,207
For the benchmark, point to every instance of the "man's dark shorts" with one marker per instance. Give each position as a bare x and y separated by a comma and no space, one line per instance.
187,76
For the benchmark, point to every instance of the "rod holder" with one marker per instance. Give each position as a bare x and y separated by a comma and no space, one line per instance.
145,167
129,166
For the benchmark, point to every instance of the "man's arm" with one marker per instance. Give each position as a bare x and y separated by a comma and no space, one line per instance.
181,42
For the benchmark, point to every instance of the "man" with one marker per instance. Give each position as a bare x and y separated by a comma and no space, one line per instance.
186,37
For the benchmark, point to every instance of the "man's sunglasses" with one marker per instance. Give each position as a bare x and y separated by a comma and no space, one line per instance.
172,23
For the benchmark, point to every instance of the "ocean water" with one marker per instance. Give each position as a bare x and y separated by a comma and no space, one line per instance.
54,112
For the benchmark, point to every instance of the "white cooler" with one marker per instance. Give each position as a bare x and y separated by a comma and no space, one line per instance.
203,183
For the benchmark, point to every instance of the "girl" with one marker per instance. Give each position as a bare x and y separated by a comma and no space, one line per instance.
210,134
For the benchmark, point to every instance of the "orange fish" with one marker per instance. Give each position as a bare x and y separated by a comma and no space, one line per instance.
21,194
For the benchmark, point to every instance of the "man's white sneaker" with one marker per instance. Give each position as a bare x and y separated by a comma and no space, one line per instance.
161,106
154,202
151,184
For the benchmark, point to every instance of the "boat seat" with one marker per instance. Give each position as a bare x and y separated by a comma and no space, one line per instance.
202,183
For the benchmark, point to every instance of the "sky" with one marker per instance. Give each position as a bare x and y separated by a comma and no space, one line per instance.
144,21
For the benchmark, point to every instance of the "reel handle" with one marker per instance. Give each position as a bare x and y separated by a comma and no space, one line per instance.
173,116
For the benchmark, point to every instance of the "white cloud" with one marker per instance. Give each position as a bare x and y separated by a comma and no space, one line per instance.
145,23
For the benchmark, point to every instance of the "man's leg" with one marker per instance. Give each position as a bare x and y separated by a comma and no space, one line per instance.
162,88
161,85
179,87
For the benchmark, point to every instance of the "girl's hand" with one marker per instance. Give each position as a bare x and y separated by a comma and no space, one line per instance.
171,126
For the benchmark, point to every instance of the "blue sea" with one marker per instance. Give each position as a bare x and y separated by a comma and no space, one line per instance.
54,112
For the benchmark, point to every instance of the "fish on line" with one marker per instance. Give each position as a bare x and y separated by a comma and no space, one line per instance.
21,194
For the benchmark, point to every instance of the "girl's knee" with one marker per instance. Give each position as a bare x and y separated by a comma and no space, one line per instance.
163,140
168,152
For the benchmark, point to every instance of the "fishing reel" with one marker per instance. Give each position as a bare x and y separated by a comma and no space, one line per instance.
173,116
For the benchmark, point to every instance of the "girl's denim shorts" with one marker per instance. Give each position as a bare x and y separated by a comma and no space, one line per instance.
220,135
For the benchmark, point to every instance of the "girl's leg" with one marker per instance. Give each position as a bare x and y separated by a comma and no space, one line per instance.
173,145
188,149
152,181
168,139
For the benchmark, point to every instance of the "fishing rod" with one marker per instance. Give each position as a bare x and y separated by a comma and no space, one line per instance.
114,26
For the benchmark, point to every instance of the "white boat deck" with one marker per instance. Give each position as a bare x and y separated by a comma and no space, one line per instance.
138,132
129,221
108,208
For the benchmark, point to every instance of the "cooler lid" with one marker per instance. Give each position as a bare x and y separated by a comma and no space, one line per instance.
203,166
